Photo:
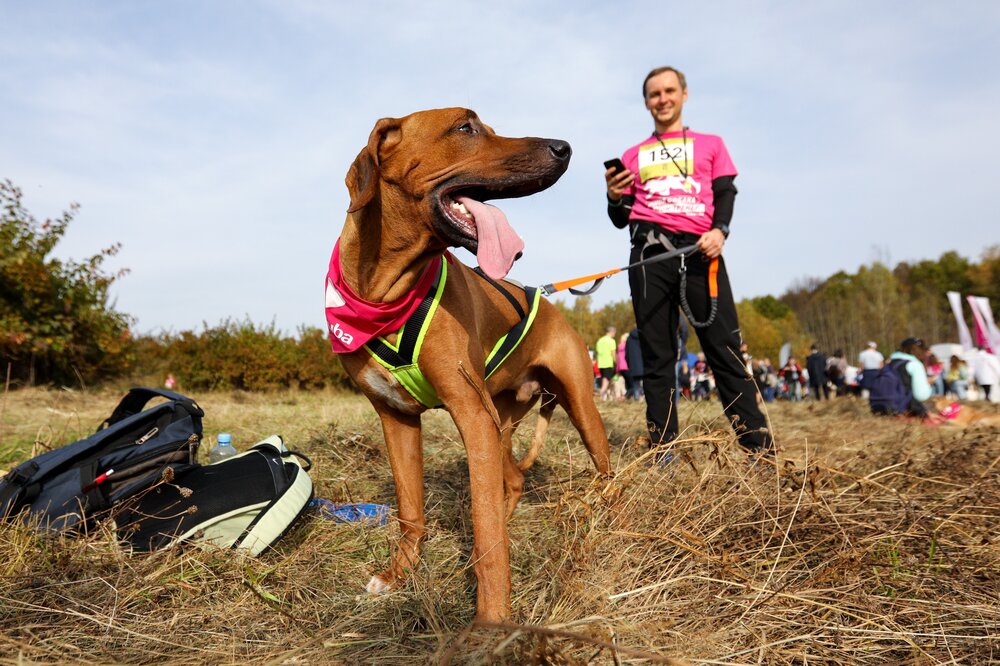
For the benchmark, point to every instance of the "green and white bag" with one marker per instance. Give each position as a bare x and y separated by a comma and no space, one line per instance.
246,502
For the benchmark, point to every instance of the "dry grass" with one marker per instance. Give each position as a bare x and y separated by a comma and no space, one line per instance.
872,541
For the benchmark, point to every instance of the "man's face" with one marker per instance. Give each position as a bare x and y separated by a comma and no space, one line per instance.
665,98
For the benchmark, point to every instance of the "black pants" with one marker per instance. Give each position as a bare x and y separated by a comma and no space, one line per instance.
629,384
816,388
656,299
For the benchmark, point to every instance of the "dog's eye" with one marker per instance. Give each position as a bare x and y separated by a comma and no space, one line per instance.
467,128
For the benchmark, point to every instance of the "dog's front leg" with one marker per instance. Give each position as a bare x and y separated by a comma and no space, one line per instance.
403,442
477,422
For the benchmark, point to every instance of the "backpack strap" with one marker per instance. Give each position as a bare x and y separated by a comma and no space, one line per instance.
899,365
308,462
16,487
137,397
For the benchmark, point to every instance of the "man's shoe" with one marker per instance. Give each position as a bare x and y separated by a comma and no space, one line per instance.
663,457
758,457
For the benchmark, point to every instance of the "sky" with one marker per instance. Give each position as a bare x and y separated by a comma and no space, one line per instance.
211,138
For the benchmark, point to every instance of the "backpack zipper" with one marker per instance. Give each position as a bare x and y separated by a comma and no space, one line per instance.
144,438
163,449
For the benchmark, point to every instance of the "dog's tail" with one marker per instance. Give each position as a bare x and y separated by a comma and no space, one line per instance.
544,416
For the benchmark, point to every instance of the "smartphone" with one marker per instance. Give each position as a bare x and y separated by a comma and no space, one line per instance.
615,164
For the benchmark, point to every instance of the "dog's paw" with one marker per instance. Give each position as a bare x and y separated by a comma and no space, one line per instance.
377,586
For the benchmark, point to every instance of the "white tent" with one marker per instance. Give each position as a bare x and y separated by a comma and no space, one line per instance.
945,350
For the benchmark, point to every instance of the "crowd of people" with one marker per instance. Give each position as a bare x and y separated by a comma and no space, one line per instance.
618,366
821,378
975,375
961,377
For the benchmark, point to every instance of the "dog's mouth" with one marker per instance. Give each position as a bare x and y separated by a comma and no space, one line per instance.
482,228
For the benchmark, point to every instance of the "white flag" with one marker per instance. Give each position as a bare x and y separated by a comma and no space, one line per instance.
964,337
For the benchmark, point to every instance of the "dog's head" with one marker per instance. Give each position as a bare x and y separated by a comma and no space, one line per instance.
940,402
438,167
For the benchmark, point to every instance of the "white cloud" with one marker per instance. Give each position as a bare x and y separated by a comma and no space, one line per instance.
212,140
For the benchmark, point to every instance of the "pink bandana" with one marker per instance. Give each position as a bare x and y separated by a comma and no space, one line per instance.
951,412
353,321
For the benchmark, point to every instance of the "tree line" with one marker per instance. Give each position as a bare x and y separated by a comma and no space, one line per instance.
59,326
843,311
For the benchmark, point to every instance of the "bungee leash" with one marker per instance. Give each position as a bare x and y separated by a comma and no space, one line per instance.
713,293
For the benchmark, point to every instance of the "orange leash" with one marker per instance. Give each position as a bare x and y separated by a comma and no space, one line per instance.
598,278
550,289
713,278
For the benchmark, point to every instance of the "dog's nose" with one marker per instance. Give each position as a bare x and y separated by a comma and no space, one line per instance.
560,149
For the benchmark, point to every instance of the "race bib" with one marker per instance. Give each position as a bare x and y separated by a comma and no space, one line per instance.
671,157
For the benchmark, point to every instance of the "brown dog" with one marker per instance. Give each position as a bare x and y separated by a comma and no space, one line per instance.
962,415
406,187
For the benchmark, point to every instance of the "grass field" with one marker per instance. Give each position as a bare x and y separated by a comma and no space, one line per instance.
872,541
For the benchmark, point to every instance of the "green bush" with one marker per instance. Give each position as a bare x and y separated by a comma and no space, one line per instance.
244,356
56,325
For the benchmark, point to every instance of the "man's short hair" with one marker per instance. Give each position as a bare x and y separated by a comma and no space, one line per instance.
661,70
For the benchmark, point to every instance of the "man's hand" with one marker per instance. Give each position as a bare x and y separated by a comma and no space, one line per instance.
618,183
711,243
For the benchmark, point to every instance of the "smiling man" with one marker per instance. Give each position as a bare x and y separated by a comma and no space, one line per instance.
676,190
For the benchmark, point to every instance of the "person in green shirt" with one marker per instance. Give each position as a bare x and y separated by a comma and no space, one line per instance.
606,348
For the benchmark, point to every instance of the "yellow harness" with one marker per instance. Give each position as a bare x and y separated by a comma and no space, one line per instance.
401,359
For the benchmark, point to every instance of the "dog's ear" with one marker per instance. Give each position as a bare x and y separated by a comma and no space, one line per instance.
363,176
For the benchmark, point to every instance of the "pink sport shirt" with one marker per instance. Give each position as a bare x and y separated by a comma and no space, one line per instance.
673,179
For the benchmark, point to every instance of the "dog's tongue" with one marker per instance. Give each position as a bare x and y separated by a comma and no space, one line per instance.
499,244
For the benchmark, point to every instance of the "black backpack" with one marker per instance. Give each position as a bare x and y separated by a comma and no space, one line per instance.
891,392
246,502
62,489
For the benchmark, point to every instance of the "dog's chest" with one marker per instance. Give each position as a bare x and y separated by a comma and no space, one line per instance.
378,383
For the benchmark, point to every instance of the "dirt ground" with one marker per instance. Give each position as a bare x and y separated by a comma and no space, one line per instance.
870,541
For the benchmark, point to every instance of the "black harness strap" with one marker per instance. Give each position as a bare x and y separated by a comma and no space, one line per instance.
509,296
657,237
403,355
513,335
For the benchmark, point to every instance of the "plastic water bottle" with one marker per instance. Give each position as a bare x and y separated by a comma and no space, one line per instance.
223,449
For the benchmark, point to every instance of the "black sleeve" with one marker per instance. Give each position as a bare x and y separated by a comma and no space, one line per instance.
621,211
724,191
